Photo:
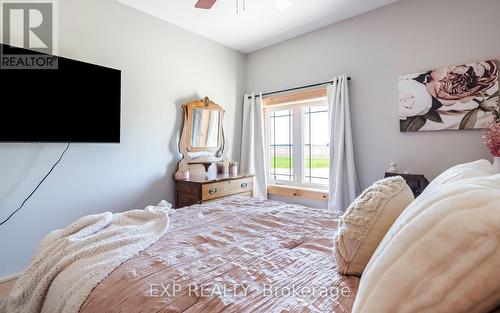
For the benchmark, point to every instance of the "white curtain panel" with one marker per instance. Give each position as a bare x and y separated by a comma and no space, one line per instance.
252,143
344,186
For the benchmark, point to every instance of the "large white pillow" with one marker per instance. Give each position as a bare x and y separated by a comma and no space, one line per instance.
461,172
480,168
367,220
442,255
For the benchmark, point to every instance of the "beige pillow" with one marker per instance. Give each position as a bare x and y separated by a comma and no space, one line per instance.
442,254
480,168
461,172
367,220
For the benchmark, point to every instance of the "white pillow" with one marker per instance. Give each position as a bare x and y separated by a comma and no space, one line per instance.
461,172
480,168
366,221
442,254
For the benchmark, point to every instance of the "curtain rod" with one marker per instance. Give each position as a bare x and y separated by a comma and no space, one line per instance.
295,88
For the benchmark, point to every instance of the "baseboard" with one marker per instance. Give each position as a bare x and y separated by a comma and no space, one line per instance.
8,278
6,284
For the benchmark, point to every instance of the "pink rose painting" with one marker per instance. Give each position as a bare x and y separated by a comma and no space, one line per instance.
457,97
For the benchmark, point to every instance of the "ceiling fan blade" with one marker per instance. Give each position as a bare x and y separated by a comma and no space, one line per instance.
205,4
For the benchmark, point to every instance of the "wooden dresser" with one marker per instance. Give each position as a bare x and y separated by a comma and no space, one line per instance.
202,189
203,148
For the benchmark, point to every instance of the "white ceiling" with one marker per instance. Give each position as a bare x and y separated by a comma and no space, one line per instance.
263,23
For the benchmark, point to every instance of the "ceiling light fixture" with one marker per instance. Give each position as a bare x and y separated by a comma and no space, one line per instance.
282,5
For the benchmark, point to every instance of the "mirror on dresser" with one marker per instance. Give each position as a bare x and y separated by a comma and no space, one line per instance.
205,129
202,142
202,174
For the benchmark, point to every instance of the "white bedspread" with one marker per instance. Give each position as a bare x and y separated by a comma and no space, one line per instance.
69,263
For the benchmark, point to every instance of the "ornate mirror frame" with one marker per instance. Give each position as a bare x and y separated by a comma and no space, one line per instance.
205,104
194,158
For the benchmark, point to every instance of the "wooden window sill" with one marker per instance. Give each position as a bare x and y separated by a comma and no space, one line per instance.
298,192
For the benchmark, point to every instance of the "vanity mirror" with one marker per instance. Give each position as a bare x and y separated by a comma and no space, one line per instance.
202,142
204,134
202,174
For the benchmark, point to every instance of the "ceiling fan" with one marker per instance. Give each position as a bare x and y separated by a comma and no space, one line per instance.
207,4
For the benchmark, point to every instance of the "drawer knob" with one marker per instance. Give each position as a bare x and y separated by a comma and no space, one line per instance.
244,185
212,191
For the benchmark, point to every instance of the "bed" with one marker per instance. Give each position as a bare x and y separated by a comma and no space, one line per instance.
238,254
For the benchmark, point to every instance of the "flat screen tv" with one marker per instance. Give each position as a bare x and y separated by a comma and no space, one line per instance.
77,102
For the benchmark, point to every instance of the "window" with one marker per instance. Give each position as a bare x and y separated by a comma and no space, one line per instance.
316,144
297,139
281,145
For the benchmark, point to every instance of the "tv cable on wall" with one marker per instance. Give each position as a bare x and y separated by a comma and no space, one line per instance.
37,186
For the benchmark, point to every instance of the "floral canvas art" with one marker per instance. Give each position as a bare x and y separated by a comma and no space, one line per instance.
457,97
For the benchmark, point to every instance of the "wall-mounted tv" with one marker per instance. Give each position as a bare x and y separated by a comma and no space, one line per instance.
77,102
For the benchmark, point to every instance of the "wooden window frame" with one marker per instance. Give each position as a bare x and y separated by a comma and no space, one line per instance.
289,101
300,97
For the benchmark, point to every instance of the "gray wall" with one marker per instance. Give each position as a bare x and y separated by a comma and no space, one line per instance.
162,67
375,49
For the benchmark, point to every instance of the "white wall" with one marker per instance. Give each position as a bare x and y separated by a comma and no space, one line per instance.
375,49
162,67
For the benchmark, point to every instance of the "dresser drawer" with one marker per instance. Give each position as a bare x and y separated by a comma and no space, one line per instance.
188,194
226,188
246,194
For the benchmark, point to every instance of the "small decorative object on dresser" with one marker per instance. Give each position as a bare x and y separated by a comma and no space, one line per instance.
233,168
221,167
492,141
416,182
202,174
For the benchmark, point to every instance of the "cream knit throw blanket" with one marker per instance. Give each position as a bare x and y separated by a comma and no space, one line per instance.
70,262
